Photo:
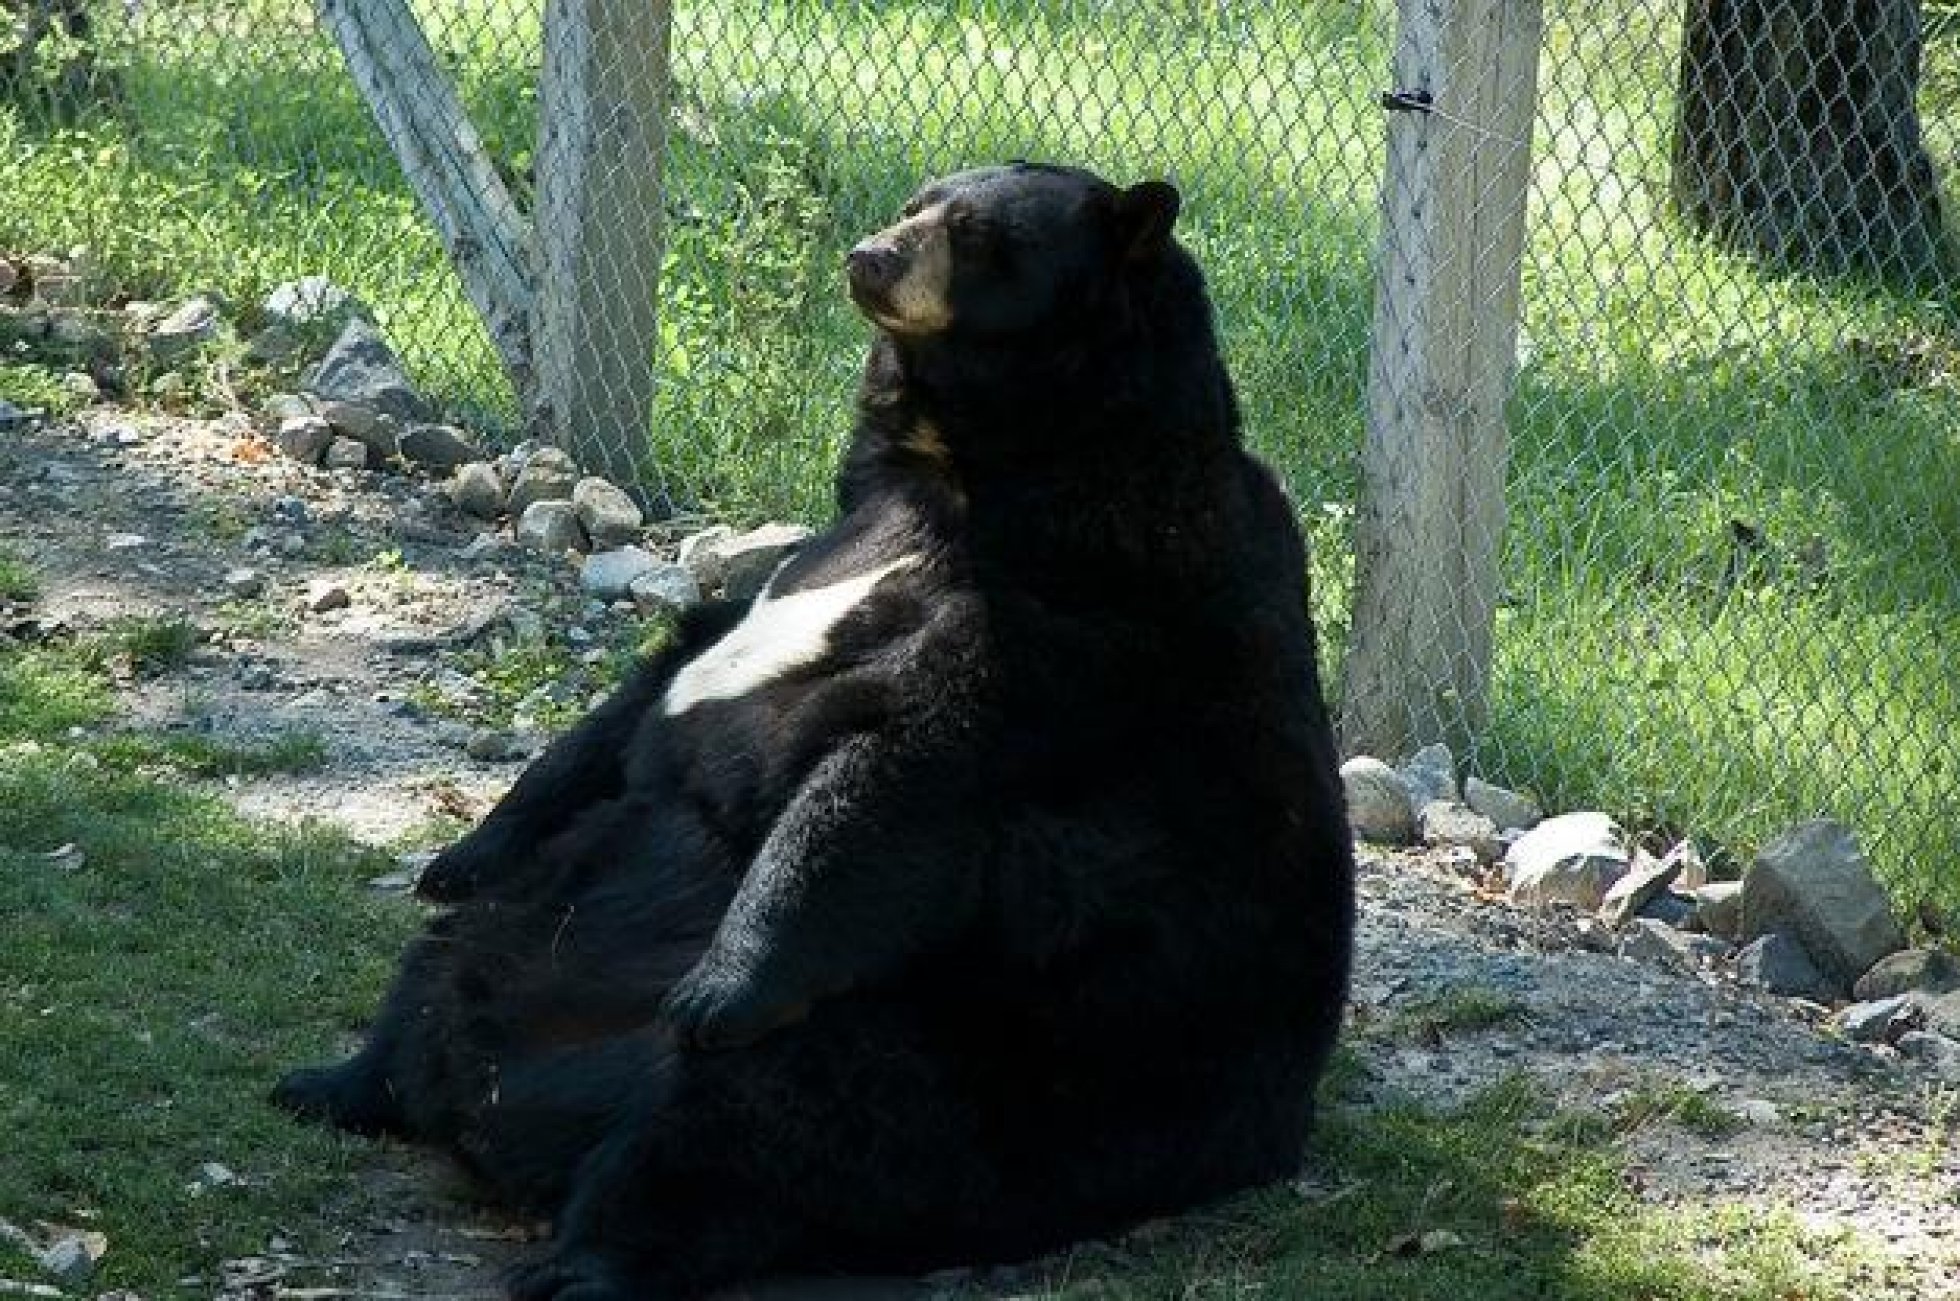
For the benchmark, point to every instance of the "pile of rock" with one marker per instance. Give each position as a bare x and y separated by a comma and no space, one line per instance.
1805,920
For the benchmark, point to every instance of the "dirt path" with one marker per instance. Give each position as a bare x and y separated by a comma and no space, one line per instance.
128,517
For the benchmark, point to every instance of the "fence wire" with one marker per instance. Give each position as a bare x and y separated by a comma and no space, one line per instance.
1728,565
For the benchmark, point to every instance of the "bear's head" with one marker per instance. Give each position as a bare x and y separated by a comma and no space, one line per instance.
1000,253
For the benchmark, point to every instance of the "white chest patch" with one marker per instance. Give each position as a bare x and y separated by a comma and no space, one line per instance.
779,633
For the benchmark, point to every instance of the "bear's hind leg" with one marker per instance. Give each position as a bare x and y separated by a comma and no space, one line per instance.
837,1144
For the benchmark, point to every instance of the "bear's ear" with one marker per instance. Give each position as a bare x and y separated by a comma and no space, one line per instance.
1145,214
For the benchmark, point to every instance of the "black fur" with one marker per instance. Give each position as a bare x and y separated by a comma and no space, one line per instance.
1023,913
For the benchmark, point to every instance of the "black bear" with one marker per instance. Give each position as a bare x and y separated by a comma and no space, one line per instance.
982,886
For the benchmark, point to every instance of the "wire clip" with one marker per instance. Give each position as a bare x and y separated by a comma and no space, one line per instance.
1407,101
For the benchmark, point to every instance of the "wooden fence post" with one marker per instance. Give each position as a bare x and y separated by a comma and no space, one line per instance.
602,112
1431,517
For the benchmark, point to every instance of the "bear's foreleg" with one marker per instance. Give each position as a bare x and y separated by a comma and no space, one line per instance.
865,869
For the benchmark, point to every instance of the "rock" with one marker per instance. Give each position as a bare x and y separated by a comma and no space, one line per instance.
346,454
1880,1020
1378,804
548,475
748,559
72,1258
488,745
284,406
272,345
484,546
1647,940
323,596
609,575
1646,879
1694,871
1909,970
125,542
79,331
476,490
360,368
700,552
184,331
438,447
611,518
1942,1011
1718,908
311,302
1431,775
304,438
1574,858
365,425
665,589
244,584
1508,809
1812,883
551,527
1934,1050
1448,822
1777,963
1671,909
81,388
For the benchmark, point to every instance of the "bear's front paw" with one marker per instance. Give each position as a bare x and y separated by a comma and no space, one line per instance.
712,1008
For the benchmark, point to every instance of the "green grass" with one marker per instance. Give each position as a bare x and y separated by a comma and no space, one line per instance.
1471,1008
1669,392
149,996
205,756
17,582
149,643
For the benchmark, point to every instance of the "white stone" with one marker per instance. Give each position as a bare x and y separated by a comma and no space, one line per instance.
1431,774
1449,822
1645,880
665,589
1510,810
611,518
550,526
609,575
1574,858
1378,806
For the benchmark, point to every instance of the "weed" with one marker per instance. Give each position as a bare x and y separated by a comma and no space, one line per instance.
207,756
253,620
17,580
221,521
1470,1008
1691,1109
150,643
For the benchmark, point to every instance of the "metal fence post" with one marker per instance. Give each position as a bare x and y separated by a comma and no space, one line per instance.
602,110
1431,516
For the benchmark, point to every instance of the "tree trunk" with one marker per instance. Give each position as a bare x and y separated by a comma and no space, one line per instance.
1797,135
423,120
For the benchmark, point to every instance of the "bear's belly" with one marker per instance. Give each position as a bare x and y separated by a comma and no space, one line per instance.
778,635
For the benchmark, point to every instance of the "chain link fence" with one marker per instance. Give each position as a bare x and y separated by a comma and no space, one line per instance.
1728,562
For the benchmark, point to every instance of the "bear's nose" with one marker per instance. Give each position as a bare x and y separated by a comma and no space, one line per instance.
873,268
